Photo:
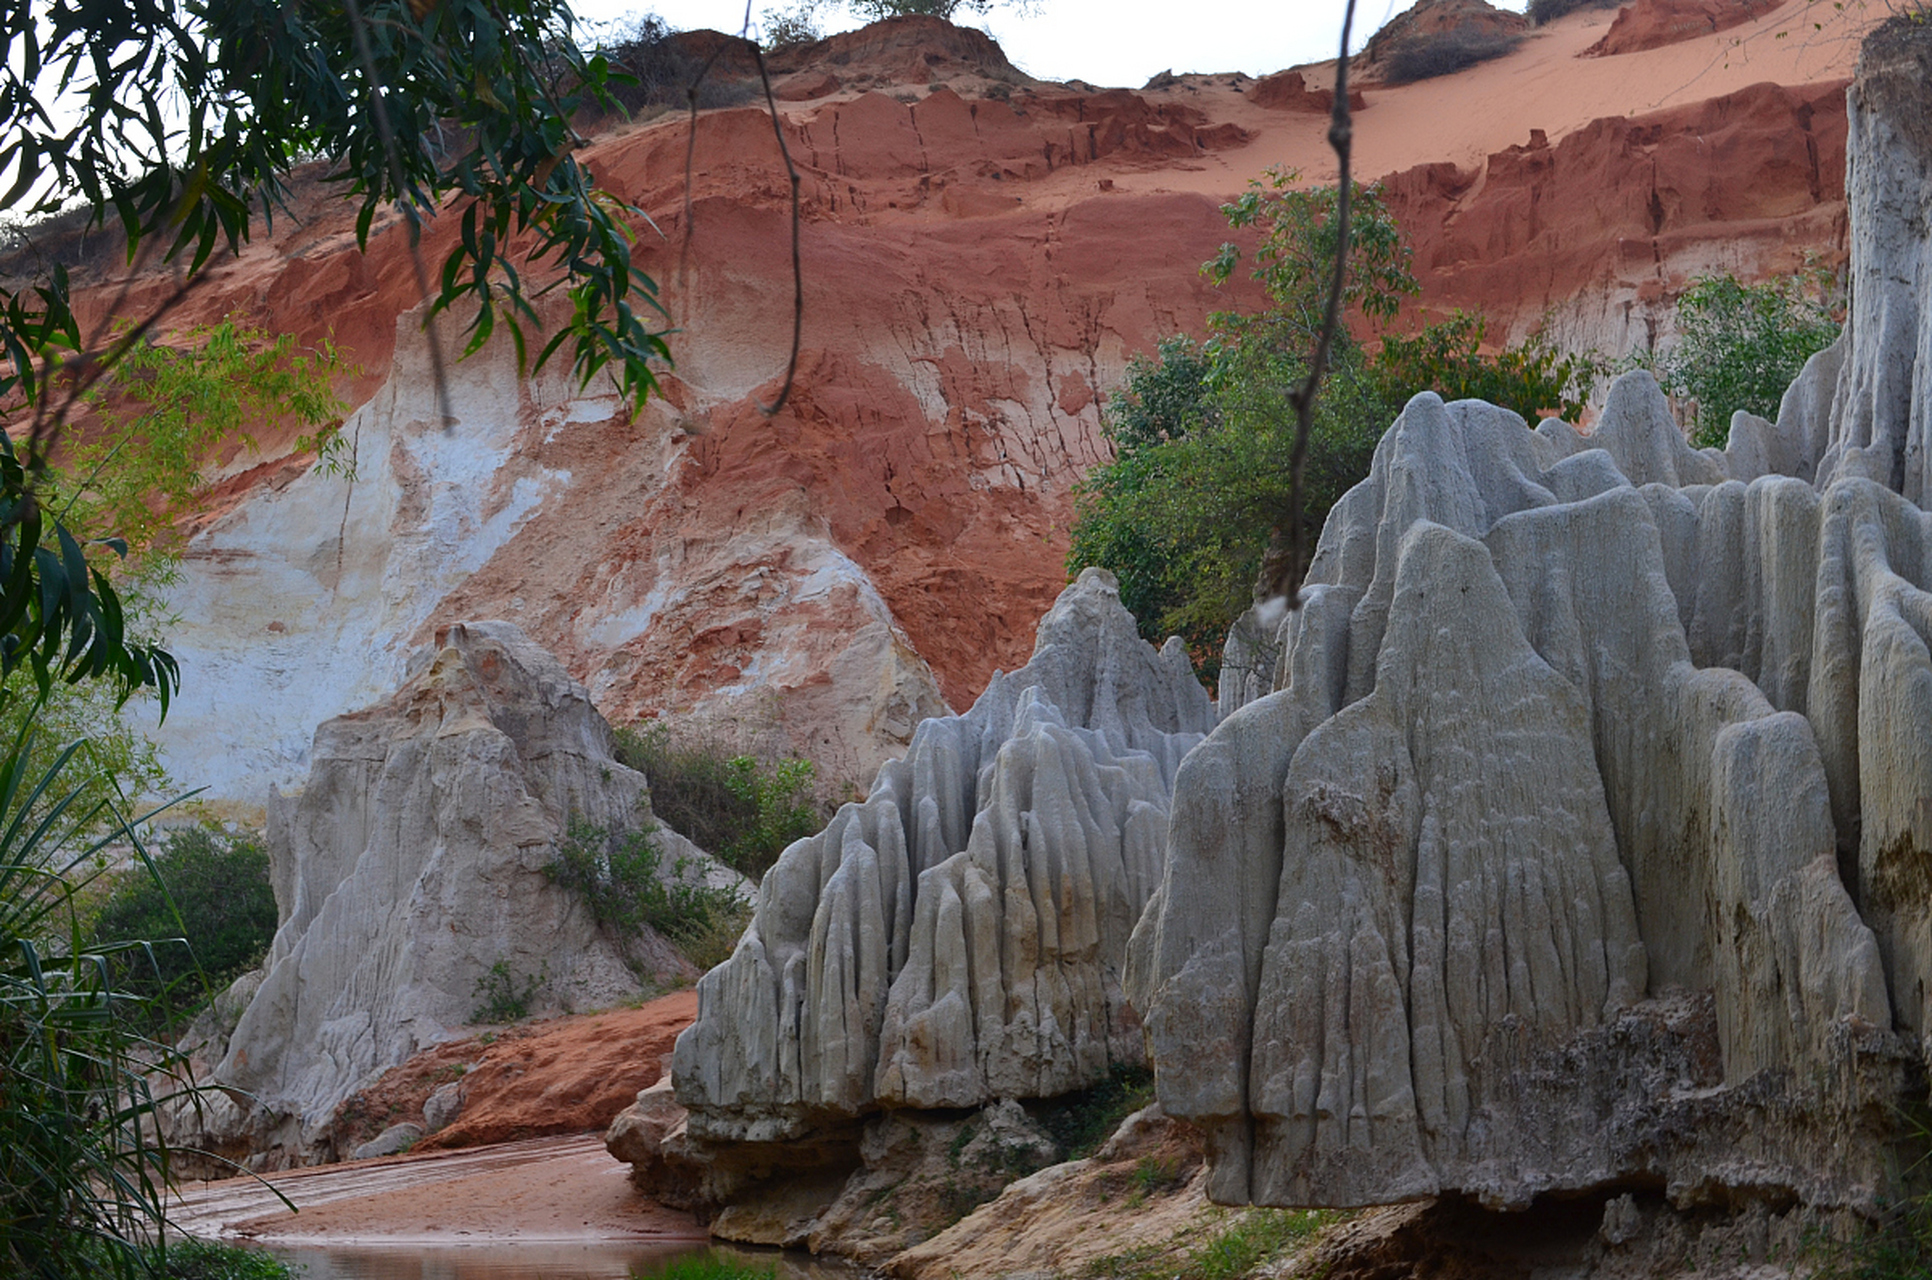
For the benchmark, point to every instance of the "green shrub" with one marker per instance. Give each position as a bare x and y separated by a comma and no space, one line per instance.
1203,433
1080,1122
502,997
1740,345
660,68
209,897
1546,11
740,809
1533,380
1445,53
618,877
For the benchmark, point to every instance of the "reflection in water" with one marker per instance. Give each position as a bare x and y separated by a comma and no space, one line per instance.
589,1260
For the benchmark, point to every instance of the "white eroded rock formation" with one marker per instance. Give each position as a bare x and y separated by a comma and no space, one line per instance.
957,937
413,863
1581,834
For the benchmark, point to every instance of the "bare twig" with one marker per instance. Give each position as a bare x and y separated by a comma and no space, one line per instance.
1283,565
798,267
791,172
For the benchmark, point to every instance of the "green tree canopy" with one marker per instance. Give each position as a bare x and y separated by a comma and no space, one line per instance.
1740,345
1203,431
180,121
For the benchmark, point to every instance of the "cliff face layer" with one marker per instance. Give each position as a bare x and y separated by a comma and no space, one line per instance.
1580,841
981,258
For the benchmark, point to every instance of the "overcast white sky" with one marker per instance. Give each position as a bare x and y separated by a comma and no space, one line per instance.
1104,42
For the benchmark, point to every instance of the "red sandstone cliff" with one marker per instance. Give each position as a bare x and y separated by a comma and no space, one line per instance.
981,255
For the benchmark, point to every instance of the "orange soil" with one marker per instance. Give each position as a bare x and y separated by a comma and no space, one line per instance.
566,1075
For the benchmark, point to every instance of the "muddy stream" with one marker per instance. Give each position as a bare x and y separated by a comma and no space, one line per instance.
545,1209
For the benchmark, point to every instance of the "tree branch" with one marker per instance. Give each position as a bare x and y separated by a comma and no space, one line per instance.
1287,558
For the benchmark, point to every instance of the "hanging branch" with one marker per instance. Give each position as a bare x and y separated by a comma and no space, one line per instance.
798,268
791,172
1283,565
690,161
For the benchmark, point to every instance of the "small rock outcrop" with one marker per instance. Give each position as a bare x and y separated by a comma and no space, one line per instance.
412,868
1579,838
1652,24
956,939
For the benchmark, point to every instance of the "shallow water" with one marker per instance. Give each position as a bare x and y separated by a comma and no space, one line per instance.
590,1260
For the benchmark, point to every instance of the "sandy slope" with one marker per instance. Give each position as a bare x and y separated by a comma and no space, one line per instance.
1543,85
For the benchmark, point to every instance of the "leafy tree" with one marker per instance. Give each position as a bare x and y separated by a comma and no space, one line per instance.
127,483
208,888
1203,433
1740,345
181,122
1533,379
1298,245
164,408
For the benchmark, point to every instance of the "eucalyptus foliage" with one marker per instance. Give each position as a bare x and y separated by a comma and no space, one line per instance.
180,120
164,409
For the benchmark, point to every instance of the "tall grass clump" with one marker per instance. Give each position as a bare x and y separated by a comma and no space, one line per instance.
82,1174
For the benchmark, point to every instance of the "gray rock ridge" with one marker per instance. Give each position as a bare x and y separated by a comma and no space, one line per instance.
413,862
957,937
1881,395
1747,633
1569,731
